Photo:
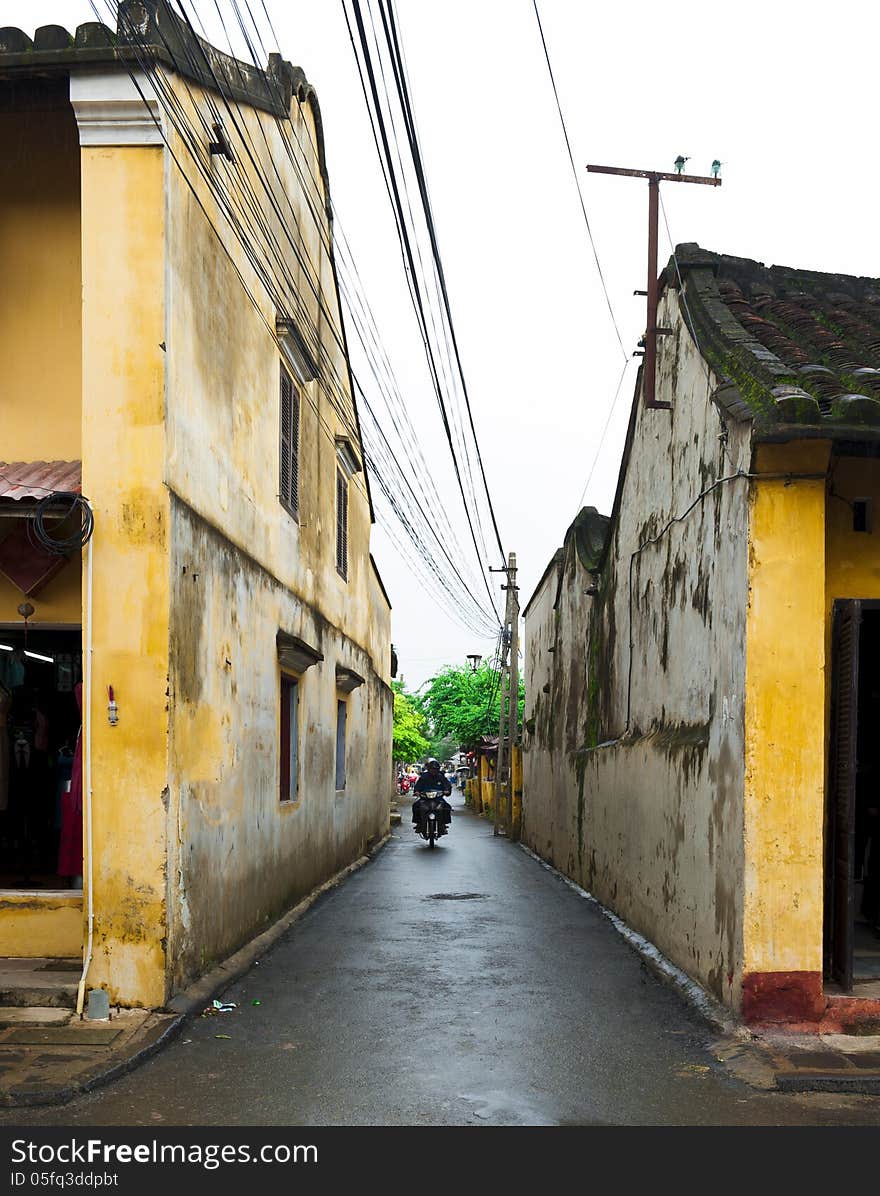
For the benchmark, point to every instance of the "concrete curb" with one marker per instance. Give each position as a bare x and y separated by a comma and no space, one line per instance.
157,1036
711,1010
196,997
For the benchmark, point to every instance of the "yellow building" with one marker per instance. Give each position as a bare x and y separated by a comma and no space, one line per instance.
173,350
703,667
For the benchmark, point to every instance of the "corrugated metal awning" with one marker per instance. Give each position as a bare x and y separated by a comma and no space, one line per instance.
36,479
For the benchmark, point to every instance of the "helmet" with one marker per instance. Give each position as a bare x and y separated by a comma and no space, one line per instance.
432,763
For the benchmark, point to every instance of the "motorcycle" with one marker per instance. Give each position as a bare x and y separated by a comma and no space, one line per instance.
432,821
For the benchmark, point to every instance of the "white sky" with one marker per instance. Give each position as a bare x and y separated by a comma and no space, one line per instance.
783,93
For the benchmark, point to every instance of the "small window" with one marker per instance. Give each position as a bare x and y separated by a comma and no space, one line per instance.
341,716
289,739
341,524
289,445
861,514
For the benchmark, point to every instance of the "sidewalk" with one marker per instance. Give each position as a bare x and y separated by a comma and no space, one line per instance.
48,1060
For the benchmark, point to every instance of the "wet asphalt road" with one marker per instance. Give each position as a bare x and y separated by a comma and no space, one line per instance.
461,986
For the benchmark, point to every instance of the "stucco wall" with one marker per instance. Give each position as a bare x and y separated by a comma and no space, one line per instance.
123,222
651,822
40,308
238,856
41,295
243,568
785,720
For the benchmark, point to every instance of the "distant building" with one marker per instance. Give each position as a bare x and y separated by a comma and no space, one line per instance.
233,607
703,668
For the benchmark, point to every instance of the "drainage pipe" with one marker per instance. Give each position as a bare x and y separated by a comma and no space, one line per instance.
87,776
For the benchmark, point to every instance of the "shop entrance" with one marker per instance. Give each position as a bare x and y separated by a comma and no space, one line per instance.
852,856
39,721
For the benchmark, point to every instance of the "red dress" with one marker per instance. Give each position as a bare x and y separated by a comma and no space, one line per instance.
70,846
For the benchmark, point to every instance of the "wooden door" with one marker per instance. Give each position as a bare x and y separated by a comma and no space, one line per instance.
842,788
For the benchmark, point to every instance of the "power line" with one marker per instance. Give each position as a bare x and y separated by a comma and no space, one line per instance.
183,127
363,340
369,86
611,410
577,182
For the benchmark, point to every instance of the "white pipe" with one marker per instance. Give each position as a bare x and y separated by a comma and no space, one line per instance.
87,776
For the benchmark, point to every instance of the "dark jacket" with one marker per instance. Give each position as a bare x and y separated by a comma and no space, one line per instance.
428,783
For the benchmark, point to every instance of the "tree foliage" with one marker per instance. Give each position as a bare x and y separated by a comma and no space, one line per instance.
464,704
410,725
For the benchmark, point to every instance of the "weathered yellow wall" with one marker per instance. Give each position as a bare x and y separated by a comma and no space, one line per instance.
785,714
40,297
242,568
123,455
41,925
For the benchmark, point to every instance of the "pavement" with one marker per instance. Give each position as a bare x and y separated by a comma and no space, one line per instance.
49,1055
50,1061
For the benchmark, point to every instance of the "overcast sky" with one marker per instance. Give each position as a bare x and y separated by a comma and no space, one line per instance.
783,93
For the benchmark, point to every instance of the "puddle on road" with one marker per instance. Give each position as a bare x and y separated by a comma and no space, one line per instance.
456,897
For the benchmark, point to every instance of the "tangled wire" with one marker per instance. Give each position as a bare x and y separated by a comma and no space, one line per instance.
62,531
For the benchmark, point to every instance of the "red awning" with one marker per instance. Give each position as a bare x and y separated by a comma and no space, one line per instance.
36,479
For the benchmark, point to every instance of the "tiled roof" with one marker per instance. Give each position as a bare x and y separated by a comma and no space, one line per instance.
36,479
151,29
795,346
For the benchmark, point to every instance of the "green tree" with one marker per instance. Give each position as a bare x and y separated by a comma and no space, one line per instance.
410,724
463,704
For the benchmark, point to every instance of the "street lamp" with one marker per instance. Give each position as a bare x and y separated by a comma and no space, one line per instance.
474,658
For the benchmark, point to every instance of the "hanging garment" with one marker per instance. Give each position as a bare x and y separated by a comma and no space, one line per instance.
70,846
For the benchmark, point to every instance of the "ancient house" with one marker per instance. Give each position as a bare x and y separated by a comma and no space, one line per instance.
703,668
172,349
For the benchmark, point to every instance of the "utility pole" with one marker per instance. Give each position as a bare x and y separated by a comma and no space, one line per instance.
508,719
654,177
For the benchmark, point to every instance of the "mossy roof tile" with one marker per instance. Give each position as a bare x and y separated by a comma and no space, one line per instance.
794,346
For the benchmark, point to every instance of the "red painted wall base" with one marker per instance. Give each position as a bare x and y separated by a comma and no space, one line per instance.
771,997
796,1000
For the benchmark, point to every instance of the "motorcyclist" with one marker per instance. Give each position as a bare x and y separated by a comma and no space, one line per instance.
432,780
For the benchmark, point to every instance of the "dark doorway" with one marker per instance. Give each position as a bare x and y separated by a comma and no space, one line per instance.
852,868
39,722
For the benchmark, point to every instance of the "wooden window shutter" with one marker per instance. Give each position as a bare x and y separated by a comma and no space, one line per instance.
294,449
341,523
289,445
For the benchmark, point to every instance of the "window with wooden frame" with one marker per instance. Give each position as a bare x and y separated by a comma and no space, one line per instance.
341,524
341,725
288,452
289,747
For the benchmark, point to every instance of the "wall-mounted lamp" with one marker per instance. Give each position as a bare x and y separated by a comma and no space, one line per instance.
221,145
474,658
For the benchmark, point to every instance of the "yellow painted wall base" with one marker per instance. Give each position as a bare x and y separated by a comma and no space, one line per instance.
42,925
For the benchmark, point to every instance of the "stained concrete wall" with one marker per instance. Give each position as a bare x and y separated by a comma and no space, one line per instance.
634,722
242,568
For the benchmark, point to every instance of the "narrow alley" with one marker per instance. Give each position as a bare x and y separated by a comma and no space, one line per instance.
467,985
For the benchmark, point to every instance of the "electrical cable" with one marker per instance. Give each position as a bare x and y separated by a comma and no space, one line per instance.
78,517
185,132
577,181
611,410
381,133
240,128
404,94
